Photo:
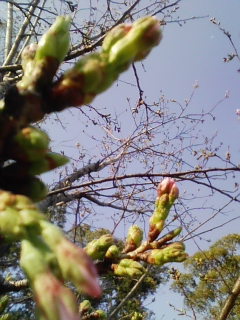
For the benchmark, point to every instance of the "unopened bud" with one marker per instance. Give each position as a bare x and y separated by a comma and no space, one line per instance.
55,42
100,314
174,252
167,193
29,144
115,35
53,300
97,249
134,238
128,267
84,307
144,35
112,252
73,262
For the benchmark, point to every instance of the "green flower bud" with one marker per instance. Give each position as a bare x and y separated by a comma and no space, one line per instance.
74,264
37,258
19,218
88,72
97,249
128,267
10,225
51,161
21,170
112,252
174,252
8,199
167,193
50,52
55,42
134,238
144,35
115,35
100,314
135,234
84,307
29,144
53,300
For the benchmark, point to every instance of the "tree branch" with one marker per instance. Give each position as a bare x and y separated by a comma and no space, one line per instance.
18,39
9,286
91,167
230,300
113,313
8,40
178,175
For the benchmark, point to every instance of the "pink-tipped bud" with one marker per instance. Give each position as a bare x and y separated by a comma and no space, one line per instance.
77,267
53,300
168,186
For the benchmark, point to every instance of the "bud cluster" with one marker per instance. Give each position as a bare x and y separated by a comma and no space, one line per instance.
87,312
28,148
151,251
96,72
40,62
47,258
167,193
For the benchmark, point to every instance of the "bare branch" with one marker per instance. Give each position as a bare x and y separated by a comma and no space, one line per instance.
113,313
9,286
230,301
18,39
8,40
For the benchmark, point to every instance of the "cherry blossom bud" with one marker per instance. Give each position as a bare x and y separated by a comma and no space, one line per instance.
168,186
29,144
112,252
128,267
18,217
167,193
115,35
174,252
74,263
96,249
55,42
143,36
53,300
99,314
21,170
84,307
134,238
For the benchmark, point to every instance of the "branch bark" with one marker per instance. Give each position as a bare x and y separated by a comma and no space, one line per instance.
18,39
9,286
113,313
91,167
8,40
230,300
